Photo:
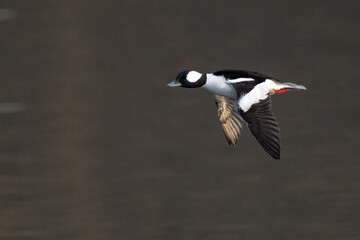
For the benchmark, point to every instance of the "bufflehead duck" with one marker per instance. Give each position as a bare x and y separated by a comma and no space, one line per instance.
242,96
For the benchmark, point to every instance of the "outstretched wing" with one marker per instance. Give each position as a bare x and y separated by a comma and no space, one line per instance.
263,125
230,119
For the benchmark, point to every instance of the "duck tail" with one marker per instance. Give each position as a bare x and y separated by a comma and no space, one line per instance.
290,87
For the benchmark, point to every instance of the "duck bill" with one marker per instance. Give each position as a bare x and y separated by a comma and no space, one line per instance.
174,84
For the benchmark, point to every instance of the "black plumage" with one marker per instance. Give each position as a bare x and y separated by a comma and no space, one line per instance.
264,127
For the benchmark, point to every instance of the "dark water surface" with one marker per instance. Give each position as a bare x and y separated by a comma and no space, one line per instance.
93,144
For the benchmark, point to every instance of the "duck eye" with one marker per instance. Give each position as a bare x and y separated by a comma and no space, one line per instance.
182,75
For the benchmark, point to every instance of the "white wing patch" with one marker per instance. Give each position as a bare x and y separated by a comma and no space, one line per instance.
258,93
193,76
237,80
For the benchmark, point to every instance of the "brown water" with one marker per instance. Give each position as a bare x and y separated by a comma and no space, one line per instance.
93,144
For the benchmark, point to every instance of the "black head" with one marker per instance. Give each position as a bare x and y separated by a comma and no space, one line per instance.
189,79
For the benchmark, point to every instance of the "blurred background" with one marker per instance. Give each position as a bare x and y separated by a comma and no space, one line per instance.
94,145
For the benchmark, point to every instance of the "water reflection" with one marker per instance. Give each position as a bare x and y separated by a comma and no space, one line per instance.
7,14
11,107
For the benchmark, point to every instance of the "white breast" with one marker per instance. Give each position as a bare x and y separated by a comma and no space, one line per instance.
219,86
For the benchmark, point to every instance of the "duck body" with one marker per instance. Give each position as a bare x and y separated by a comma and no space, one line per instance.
240,96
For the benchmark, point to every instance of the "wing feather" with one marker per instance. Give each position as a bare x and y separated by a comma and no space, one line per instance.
264,127
230,119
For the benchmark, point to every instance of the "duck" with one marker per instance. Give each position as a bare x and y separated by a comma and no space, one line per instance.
242,96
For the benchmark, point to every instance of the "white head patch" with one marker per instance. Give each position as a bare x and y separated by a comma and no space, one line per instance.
193,76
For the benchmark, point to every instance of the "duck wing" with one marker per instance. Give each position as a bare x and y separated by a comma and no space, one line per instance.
262,124
230,119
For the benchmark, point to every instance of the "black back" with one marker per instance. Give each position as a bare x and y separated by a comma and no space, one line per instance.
243,87
233,74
